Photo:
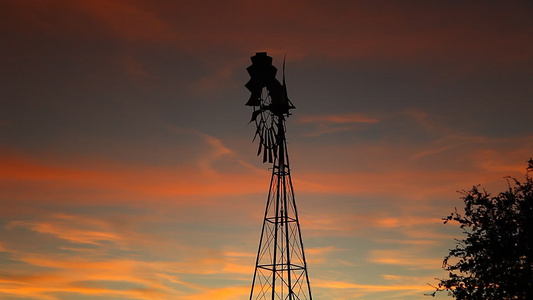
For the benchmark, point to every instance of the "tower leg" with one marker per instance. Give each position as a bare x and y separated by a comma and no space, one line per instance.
281,268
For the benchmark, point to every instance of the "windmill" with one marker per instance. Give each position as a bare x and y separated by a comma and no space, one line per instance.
280,268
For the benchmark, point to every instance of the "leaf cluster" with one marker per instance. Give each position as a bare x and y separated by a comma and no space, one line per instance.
495,258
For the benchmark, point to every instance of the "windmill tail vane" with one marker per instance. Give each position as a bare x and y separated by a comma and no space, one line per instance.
280,267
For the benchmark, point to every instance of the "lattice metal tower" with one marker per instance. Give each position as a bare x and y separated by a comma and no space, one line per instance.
280,268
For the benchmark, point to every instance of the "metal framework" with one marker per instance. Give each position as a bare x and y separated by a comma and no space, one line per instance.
280,268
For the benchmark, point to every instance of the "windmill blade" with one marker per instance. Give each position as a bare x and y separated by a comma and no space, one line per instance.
271,144
254,115
256,134
260,144
273,138
265,153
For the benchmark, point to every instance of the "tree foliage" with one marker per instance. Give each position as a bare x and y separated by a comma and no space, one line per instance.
495,259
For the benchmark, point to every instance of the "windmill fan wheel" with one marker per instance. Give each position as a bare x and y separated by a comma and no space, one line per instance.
270,102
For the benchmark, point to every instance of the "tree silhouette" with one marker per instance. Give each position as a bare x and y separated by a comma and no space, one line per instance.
495,259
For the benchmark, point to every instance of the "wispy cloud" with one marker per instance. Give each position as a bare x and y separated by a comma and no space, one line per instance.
396,35
335,123
407,257
75,229
338,119
196,174
102,273
228,293
129,21
369,288
105,194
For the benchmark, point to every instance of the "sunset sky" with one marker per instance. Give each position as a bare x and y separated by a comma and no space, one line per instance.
127,168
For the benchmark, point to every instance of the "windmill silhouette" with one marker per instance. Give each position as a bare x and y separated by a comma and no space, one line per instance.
280,267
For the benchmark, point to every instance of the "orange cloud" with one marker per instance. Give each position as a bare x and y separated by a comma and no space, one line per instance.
409,258
345,118
96,276
129,21
95,179
99,180
335,123
369,288
421,171
345,30
122,19
228,293
75,229
76,275
415,185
